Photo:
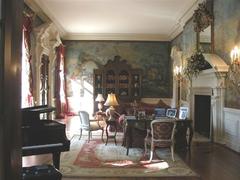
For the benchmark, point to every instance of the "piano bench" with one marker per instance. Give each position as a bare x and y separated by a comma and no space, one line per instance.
41,172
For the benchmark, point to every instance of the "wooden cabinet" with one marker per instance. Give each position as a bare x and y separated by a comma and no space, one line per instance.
118,77
98,82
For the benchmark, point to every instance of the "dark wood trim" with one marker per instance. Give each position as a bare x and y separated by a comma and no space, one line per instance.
10,122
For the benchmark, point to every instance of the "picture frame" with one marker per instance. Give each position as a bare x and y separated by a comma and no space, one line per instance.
183,113
160,112
141,113
171,112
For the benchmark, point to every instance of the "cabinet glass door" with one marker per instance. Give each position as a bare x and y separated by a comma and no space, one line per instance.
135,85
123,84
110,82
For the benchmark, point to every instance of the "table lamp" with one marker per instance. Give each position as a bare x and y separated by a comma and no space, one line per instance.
100,99
111,102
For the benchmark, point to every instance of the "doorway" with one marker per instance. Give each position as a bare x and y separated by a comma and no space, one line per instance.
202,114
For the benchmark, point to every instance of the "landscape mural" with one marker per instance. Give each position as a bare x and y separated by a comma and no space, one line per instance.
226,30
152,57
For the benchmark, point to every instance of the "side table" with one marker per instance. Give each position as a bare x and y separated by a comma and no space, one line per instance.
113,136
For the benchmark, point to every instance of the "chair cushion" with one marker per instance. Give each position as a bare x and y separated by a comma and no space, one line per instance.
162,130
158,143
94,125
121,119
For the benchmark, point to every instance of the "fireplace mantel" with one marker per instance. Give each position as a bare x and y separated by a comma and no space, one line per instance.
216,62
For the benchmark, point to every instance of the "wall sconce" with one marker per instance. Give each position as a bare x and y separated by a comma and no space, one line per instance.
234,69
178,72
235,54
99,99
178,75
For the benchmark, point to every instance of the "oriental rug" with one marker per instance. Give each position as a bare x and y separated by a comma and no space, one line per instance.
95,159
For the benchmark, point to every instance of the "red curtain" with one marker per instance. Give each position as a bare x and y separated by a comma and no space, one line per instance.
60,84
27,29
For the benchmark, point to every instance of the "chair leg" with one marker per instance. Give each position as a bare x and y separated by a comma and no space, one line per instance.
80,134
145,148
151,152
106,141
102,135
115,140
172,152
89,134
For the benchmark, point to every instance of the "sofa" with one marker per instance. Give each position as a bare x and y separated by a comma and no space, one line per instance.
132,108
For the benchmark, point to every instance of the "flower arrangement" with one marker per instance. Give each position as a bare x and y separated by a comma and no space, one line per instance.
195,64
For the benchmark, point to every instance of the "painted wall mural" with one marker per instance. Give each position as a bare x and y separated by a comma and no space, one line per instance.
186,41
152,57
227,35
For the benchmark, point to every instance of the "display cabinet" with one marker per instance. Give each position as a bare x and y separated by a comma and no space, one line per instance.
98,82
117,76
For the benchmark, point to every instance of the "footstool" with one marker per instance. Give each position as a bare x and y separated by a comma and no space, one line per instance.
41,172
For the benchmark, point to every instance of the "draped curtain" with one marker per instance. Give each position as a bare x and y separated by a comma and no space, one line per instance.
27,83
60,84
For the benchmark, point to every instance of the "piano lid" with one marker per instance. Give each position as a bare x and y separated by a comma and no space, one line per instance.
31,115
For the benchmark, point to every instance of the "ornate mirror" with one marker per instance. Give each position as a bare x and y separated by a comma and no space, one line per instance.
203,26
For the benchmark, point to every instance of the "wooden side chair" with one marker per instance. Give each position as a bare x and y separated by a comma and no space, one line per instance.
89,125
161,135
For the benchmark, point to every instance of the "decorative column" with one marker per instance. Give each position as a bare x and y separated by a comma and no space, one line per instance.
48,39
218,96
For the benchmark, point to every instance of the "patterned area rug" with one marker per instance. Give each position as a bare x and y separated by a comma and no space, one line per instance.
95,159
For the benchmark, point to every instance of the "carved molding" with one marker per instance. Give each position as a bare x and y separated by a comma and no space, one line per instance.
47,39
203,16
115,36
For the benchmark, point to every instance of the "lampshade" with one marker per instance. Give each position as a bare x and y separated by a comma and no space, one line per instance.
99,98
111,100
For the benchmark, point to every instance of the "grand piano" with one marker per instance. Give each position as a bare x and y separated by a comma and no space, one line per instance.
43,136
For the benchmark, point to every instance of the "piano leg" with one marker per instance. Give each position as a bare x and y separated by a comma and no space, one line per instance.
56,159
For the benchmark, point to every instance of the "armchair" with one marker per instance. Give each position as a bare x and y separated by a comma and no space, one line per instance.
89,125
161,135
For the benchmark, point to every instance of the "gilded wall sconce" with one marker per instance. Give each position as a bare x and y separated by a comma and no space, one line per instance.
234,69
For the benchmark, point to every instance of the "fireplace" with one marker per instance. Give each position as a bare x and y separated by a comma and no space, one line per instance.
207,92
202,115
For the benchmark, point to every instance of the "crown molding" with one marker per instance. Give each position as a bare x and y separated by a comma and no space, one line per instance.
115,36
179,26
43,16
37,10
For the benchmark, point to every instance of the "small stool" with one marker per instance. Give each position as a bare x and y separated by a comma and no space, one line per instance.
41,172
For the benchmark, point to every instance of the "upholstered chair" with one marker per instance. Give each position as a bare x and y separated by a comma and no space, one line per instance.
89,125
161,135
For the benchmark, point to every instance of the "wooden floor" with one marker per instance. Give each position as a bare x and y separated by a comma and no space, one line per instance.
211,161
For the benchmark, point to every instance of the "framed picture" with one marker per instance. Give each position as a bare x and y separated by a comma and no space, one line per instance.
160,112
141,113
171,113
183,112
